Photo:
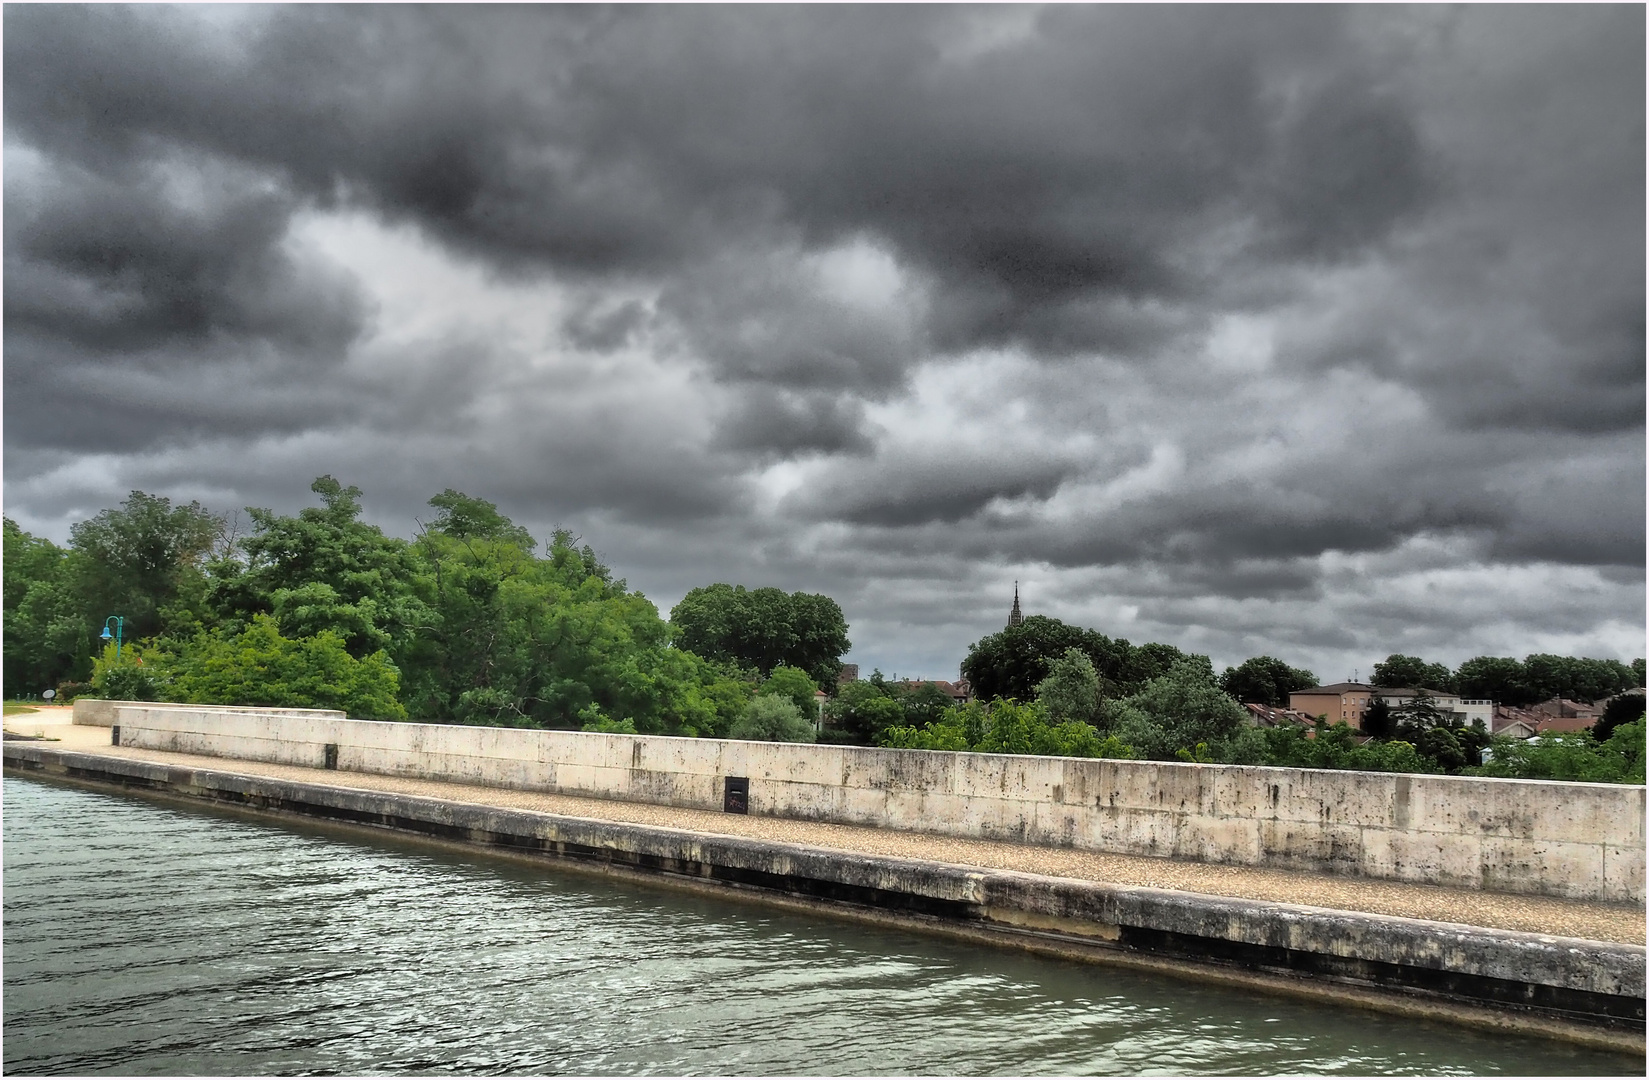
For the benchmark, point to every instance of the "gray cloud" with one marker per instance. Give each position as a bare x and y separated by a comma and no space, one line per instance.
1220,326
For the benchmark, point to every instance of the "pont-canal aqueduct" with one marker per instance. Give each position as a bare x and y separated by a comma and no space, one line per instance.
1583,843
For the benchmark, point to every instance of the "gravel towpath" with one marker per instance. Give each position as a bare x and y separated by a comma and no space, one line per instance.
1536,914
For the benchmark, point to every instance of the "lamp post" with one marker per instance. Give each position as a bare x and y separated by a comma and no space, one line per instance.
120,627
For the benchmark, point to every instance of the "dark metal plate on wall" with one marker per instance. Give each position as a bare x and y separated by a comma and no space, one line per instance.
736,795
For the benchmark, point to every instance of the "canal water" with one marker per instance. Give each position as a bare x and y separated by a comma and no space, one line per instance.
144,939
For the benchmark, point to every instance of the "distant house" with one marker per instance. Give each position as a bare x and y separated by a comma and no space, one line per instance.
849,673
1269,716
1472,712
960,691
1345,701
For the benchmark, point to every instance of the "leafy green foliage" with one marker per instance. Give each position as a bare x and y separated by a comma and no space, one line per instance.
1542,676
1622,710
1265,680
260,666
1398,670
125,677
1571,756
1071,690
1012,663
325,569
862,711
1178,710
794,684
1005,727
763,628
1334,746
772,718
48,638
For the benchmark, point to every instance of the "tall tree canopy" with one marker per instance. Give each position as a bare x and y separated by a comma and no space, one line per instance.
763,628
1011,664
1398,670
1265,680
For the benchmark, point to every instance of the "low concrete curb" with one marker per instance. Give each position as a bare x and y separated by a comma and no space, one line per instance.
1596,984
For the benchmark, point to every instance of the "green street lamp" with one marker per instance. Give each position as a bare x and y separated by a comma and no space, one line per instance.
120,626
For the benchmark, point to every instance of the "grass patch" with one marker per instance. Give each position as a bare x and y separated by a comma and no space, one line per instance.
13,708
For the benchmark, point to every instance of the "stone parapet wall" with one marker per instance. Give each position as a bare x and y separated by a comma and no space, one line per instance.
1584,841
97,712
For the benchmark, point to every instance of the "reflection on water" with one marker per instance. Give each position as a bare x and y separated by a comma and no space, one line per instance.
145,939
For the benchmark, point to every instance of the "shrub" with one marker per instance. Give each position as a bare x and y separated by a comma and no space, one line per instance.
1006,727
261,667
772,718
1573,755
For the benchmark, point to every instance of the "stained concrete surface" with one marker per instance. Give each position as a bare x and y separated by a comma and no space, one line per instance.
1566,918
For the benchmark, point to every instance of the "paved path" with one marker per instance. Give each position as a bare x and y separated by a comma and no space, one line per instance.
1567,918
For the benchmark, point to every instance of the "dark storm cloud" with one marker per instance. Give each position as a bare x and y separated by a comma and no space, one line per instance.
1183,306
1051,175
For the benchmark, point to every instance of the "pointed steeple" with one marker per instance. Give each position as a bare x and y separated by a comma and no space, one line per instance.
1014,616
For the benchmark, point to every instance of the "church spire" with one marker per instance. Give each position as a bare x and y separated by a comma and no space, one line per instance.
1014,617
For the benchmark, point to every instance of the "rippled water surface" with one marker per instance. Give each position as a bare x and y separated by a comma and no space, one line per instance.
140,938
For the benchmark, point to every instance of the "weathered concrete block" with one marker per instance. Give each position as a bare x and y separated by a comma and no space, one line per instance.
1137,832
981,776
1060,823
1335,848
1434,858
1475,807
864,806
784,798
1333,797
1217,840
920,770
1587,813
1513,865
1623,873
1082,781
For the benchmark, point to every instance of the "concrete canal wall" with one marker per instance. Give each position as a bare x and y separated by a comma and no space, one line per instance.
1573,988
1583,841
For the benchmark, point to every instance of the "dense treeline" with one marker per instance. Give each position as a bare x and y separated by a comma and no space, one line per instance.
1508,681
469,621
474,621
1090,695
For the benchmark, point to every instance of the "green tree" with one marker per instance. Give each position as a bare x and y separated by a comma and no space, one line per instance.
773,718
48,632
1265,680
1419,713
1011,663
1621,710
1177,711
921,703
862,711
464,518
763,628
1496,678
325,569
1378,720
1071,690
1398,670
1333,746
1005,727
793,684
139,561
261,666
1570,756
1579,678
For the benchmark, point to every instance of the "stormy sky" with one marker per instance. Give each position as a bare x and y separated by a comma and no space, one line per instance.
1315,332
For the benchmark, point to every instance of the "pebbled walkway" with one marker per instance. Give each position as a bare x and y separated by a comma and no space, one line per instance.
1504,911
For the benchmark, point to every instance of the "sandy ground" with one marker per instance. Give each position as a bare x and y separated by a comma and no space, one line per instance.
1567,918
